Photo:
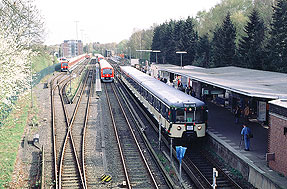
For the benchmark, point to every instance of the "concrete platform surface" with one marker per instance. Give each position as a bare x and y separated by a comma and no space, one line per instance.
222,126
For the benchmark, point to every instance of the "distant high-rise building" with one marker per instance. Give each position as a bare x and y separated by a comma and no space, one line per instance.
72,48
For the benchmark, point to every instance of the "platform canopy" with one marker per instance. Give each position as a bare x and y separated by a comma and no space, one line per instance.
249,82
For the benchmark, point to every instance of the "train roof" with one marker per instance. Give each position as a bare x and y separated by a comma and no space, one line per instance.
99,55
105,64
167,94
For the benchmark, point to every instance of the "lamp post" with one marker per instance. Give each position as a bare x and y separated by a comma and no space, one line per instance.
181,52
130,55
156,51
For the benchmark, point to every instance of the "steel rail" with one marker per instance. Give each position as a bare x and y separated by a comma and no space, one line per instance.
141,125
118,141
135,139
69,135
53,128
87,112
53,88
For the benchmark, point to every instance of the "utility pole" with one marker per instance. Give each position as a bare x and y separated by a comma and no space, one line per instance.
77,29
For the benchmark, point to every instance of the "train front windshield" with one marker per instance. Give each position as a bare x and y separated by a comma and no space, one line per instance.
107,71
190,116
64,64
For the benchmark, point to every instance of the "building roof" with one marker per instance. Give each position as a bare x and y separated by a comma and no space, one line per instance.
249,82
279,102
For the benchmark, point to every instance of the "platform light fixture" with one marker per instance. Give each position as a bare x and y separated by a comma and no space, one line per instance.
181,52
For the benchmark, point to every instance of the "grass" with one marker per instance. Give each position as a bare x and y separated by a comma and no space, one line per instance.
75,83
12,126
10,137
43,60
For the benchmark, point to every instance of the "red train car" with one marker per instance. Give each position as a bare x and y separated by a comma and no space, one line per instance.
107,71
64,66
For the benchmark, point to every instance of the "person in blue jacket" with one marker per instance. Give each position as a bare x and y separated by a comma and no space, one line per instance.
245,132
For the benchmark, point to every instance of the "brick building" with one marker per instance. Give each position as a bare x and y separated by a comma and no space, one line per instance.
277,159
71,48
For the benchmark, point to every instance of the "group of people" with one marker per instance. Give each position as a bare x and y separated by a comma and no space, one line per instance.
246,131
245,112
189,90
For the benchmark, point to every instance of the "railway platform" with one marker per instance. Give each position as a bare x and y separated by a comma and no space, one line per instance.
225,140
98,80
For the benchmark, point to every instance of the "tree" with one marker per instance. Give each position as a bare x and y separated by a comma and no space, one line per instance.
224,44
203,52
208,21
251,46
169,44
277,47
20,28
189,41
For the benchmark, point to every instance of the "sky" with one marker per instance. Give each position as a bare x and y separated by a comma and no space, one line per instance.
107,21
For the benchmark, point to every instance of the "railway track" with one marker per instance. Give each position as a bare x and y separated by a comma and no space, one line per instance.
63,144
197,168
72,166
139,174
202,166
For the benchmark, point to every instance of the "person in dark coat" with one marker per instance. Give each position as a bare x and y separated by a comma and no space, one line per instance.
245,132
237,114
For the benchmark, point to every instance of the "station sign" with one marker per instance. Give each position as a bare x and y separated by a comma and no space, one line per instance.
186,105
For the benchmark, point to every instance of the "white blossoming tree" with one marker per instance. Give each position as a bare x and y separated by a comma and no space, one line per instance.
20,29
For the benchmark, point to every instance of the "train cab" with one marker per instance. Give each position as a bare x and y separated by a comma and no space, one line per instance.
64,66
107,71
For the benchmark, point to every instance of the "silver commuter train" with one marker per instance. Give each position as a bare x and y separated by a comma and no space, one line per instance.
180,115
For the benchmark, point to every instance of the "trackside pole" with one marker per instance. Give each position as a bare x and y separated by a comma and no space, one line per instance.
214,174
180,179
170,152
159,132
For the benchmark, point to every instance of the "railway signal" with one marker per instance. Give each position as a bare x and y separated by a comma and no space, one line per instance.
180,151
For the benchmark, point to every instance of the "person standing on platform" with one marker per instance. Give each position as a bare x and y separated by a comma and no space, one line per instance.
246,113
237,114
245,133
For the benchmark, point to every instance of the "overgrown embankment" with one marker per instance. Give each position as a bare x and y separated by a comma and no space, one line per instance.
13,119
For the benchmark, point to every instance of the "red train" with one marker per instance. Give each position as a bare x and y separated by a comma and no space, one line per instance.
67,64
64,64
107,71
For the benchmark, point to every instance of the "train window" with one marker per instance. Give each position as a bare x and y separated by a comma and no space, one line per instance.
145,94
179,115
172,115
148,97
107,71
164,111
189,116
158,105
199,115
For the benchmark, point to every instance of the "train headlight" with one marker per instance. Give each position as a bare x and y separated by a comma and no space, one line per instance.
199,127
178,128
